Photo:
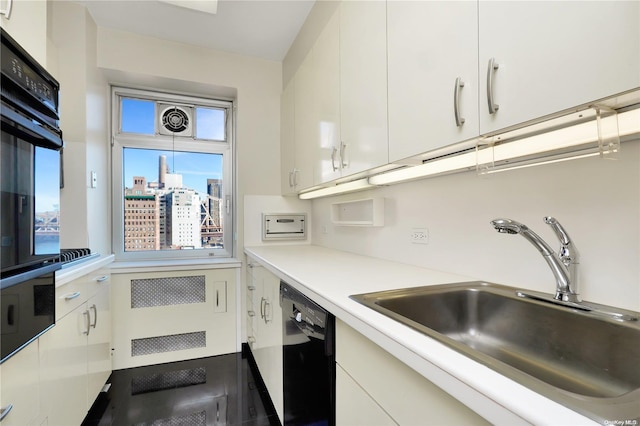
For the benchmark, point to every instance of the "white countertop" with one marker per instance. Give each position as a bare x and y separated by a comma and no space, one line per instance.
66,275
329,277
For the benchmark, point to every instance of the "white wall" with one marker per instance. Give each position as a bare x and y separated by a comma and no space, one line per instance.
257,84
84,96
27,24
597,201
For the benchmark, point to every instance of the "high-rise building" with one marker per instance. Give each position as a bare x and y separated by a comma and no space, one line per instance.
182,223
141,217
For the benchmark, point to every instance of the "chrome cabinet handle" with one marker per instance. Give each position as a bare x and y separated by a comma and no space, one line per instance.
343,149
4,412
251,287
291,179
87,315
267,306
95,315
296,173
72,296
334,151
456,102
251,313
493,66
102,278
262,300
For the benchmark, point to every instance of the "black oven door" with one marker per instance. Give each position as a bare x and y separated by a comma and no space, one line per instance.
29,198
28,308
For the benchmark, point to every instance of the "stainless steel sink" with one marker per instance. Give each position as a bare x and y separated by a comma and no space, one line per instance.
588,360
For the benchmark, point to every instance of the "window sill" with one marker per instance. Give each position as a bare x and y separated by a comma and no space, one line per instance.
174,265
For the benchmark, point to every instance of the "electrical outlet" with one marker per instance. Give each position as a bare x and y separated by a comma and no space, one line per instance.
420,236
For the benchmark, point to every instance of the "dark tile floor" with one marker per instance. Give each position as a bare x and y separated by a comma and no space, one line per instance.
219,390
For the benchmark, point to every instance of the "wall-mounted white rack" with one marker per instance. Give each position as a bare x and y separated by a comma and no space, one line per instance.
364,212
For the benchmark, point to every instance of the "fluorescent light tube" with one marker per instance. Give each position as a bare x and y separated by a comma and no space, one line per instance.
566,139
356,185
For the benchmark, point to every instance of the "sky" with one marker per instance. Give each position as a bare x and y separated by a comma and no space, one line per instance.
138,116
195,168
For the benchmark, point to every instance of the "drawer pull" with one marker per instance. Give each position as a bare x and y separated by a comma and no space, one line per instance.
4,412
72,296
102,278
87,315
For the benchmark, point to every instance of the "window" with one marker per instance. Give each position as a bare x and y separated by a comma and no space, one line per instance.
172,169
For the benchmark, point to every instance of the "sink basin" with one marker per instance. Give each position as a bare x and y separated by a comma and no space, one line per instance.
586,360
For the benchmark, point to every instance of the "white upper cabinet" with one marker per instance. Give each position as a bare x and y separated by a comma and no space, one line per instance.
433,75
554,55
363,85
305,119
326,59
287,141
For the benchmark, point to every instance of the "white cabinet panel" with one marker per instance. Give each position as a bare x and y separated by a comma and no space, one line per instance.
420,402
267,347
98,342
431,44
354,406
326,60
363,85
555,55
20,387
63,360
287,140
306,119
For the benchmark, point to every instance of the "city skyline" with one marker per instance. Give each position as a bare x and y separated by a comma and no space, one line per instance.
195,168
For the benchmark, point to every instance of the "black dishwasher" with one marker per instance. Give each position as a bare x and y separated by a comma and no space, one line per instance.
308,333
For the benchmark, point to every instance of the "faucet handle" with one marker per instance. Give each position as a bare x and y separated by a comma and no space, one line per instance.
567,253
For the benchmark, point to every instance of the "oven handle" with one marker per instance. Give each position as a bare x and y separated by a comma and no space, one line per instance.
32,130
29,275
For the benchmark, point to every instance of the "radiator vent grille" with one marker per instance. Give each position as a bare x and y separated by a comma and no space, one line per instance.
174,342
151,292
169,380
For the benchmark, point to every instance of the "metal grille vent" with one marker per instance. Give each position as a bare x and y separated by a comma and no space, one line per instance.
171,343
193,419
150,292
169,380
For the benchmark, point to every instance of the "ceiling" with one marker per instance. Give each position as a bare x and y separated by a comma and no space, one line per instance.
258,28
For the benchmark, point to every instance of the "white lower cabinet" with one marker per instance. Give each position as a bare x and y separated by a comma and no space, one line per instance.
263,293
371,379
354,406
75,355
20,388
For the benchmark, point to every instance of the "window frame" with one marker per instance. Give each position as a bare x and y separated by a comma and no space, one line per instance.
121,140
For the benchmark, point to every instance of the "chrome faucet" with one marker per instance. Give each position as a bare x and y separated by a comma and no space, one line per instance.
563,265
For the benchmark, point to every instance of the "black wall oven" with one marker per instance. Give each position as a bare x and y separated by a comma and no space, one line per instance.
30,173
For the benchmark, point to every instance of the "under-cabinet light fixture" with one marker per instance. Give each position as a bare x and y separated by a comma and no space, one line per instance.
599,135
356,185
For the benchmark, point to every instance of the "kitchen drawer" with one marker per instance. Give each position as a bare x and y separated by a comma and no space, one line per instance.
96,281
70,296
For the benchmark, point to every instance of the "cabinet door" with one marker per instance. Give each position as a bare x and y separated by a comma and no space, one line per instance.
306,119
432,46
326,59
555,55
287,140
98,343
354,406
63,360
363,85
19,387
